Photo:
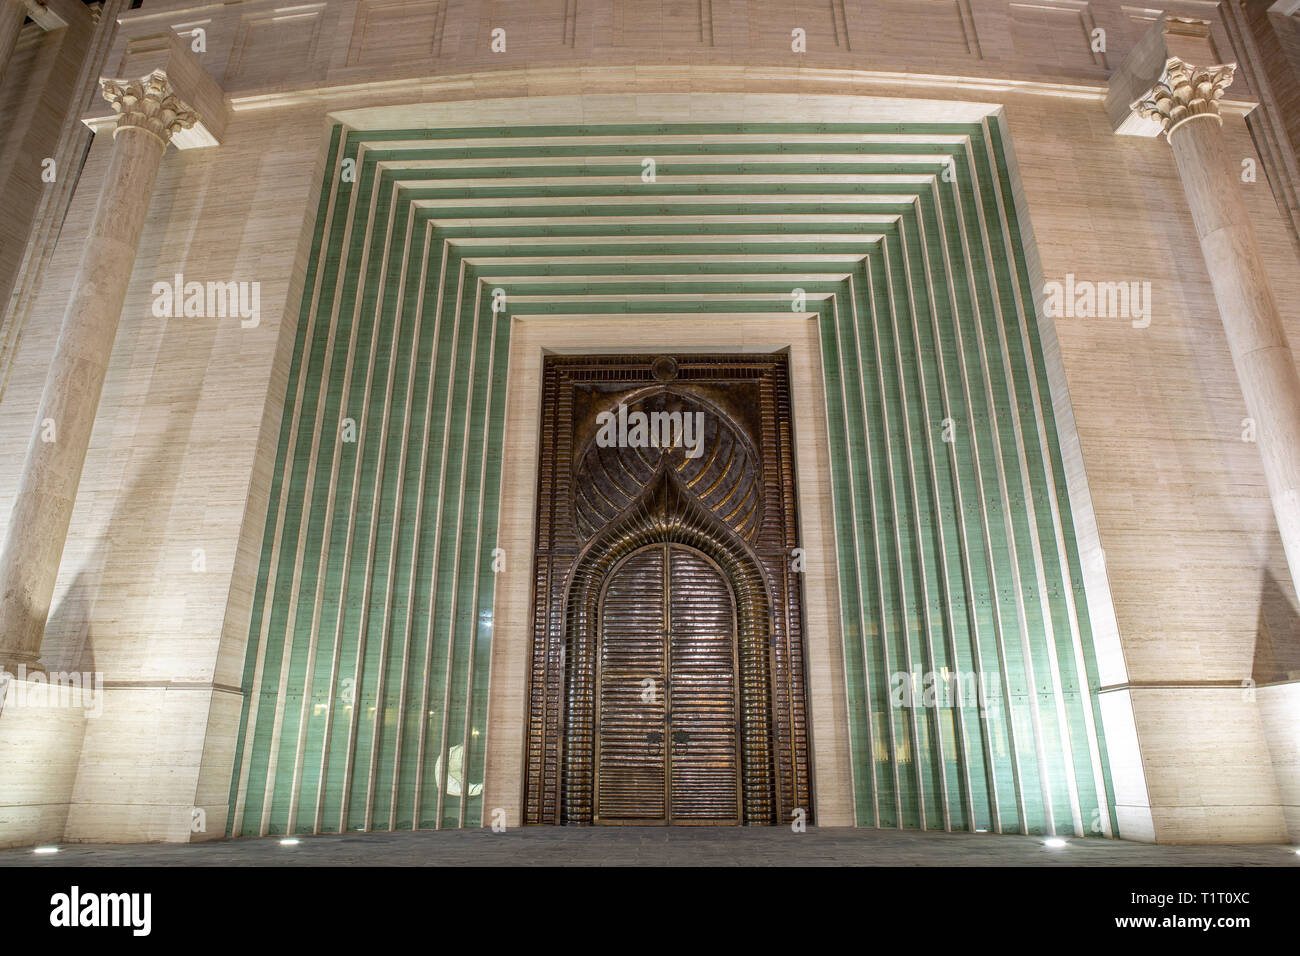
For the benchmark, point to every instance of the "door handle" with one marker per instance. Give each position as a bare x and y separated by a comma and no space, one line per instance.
680,736
654,742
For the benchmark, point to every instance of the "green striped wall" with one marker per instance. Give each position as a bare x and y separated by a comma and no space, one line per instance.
365,679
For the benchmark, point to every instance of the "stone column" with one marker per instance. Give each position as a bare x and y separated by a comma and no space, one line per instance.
149,113
12,15
1185,102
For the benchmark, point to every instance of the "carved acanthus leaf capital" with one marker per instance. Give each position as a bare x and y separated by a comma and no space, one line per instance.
1184,92
149,103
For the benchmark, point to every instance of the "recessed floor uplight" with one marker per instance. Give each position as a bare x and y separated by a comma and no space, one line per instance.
1054,842
46,849
290,841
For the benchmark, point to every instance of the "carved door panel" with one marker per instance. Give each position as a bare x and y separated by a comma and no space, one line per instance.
631,766
704,767
667,747
666,567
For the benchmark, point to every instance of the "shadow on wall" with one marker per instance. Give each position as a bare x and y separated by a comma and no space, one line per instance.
69,643
1277,638
109,600
126,613
132,590
109,591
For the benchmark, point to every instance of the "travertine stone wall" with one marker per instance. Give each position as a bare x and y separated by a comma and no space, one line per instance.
168,471
41,84
1278,705
40,750
1196,570
262,45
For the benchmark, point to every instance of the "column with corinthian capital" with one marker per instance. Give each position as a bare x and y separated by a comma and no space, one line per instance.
1185,102
148,114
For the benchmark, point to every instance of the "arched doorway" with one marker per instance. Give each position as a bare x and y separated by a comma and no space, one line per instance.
666,683
668,632
667,699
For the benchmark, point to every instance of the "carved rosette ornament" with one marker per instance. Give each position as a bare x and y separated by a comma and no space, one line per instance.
1183,93
150,104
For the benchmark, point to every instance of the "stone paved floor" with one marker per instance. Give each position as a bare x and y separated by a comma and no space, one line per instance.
720,846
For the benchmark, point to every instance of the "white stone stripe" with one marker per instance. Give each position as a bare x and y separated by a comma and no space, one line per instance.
286,471
785,137
766,161
830,258
317,604
1026,640
945,584
454,577
857,563
400,724
899,570
419,515
674,277
1076,639
1044,600
989,555
503,316
919,553
358,460
753,199
437,553
968,580
377,500
673,297
296,583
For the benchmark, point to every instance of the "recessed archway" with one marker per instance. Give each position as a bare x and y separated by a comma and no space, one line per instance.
667,515
729,499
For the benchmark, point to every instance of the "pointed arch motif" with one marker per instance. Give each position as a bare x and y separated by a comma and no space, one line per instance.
660,500
668,514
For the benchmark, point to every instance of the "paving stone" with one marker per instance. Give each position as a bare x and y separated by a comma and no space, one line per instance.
686,846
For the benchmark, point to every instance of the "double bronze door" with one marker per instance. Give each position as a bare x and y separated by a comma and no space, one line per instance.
667,720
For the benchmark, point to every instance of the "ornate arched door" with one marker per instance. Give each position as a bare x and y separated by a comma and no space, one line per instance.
666,682
668,699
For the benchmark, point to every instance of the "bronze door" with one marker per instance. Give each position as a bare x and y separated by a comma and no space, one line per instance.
645,556
667,747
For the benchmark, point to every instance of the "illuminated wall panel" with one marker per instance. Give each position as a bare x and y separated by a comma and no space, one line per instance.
366,674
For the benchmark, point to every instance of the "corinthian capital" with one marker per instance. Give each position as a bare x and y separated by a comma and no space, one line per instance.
149,103
1184,92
